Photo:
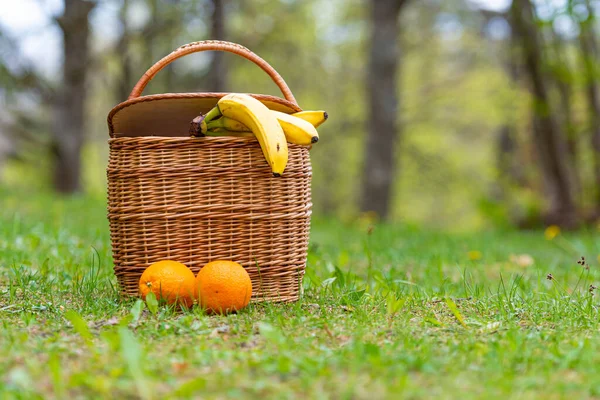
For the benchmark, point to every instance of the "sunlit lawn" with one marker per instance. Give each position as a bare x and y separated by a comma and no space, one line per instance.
395,312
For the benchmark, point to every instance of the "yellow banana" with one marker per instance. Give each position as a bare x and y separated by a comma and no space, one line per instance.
316,118
263,124
227,124
296,130
218,127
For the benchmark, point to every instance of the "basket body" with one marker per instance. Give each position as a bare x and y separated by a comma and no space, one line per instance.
196,200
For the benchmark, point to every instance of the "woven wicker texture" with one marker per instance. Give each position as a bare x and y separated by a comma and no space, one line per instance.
196,200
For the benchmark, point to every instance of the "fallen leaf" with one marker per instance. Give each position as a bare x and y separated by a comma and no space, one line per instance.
522,260
219,330
179,367
491,327
109,322
249,345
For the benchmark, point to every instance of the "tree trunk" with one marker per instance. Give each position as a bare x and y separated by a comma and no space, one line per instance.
547,135
151,32
217,73
125,81
565,90
69,105
590,59
509,167
381,123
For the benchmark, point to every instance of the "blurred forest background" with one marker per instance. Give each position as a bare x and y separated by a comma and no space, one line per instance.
453,114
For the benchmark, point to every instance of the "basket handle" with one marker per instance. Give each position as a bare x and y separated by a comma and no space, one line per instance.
217,45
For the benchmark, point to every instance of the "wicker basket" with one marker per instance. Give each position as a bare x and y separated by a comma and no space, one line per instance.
195,200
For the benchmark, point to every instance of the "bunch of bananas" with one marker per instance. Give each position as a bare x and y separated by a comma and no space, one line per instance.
240,115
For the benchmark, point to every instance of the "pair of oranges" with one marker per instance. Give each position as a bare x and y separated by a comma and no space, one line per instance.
220,286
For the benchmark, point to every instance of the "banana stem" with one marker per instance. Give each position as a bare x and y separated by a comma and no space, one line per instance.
198,126
213,114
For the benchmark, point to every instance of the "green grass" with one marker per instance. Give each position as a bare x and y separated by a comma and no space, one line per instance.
395,312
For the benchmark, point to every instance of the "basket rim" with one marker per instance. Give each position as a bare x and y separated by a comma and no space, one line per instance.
200,139
198,95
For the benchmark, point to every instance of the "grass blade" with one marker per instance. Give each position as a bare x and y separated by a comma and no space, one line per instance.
132,354
452,306
80,326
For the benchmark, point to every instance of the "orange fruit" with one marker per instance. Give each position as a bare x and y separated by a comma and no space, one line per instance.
223,286
170,281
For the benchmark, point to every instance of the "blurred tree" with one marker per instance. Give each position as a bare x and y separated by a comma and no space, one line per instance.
508,165
165,27
125,80
20,84
382,125
463,113
589,49
548,136
563,79
70,96
152,31
217,73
